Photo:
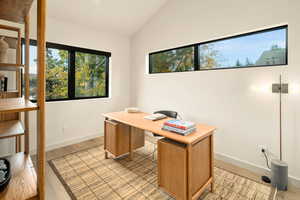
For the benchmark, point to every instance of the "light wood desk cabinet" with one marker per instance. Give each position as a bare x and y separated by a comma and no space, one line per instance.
118,137
185,163
182,170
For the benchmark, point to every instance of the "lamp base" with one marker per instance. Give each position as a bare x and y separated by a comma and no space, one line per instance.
279,174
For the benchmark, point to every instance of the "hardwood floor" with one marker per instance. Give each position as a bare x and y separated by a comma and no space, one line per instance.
54,188
56,191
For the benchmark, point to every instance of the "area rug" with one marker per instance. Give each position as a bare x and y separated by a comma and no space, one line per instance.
87,175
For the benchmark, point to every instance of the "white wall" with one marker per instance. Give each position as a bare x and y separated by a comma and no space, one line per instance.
73,121
292,122
238,102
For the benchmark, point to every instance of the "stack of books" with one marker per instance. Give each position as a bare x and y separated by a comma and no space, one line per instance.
179,126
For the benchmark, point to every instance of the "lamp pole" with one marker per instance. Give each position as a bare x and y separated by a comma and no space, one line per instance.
280,116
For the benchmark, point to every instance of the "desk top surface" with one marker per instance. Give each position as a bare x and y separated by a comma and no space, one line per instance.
137,120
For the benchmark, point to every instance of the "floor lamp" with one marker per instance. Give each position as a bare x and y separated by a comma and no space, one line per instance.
279,168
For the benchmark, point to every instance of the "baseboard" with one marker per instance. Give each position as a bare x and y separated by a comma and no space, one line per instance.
67,142
252,167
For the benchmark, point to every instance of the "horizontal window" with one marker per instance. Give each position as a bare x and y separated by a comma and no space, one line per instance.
71,72
260,48
176,60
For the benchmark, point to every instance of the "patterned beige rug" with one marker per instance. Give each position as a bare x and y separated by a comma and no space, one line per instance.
87,175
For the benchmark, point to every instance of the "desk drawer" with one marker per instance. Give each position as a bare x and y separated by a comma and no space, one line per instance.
117,137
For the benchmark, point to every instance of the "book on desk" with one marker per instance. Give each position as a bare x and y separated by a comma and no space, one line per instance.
179,126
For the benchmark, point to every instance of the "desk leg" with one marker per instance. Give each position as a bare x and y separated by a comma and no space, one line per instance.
212,163
130,143
189,171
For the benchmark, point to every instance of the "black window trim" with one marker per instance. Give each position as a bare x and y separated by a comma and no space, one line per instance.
71,69
196,53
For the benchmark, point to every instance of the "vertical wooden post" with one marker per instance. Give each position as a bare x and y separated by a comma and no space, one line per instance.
212,163
19,83
19,48
18,144
19,61
26,80
41,47
189,171
130,144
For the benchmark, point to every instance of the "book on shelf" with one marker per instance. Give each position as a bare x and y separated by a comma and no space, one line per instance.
184,125
179,131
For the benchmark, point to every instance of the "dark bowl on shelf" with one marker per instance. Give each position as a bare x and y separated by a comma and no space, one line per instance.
5,183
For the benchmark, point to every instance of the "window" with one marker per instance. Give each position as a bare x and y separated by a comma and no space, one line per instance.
71,73
32,70
256,49
176,60
57,74
90,75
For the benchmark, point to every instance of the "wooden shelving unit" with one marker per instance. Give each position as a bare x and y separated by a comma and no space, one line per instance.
16,105
11,128
26,182
9,94
10,67
23,183
15,10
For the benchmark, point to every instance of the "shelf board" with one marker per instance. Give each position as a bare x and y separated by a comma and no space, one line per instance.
9,91
16,105
15,10
10,66
23,183
9,94
11,128
12,41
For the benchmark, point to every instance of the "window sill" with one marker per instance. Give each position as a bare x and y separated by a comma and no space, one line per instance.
76,100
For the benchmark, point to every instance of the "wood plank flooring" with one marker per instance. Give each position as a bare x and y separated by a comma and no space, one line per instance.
56,191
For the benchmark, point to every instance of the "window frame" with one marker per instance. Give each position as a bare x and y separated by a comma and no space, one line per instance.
197,66
72,68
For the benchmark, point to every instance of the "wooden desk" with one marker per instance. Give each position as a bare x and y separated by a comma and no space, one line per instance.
197,152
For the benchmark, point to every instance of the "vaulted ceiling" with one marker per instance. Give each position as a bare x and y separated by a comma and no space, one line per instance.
122,16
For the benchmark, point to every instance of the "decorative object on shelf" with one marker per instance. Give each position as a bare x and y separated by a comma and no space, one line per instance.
3,50
5,174
3,83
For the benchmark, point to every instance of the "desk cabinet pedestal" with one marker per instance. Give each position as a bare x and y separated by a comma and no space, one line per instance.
121,138
184,171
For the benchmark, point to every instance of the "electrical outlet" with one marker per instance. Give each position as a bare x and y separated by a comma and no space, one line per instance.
262,147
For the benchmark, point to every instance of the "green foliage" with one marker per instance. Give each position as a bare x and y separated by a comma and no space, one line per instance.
238,63
173,61
32,85
208,56
90,75
248,62
57,74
